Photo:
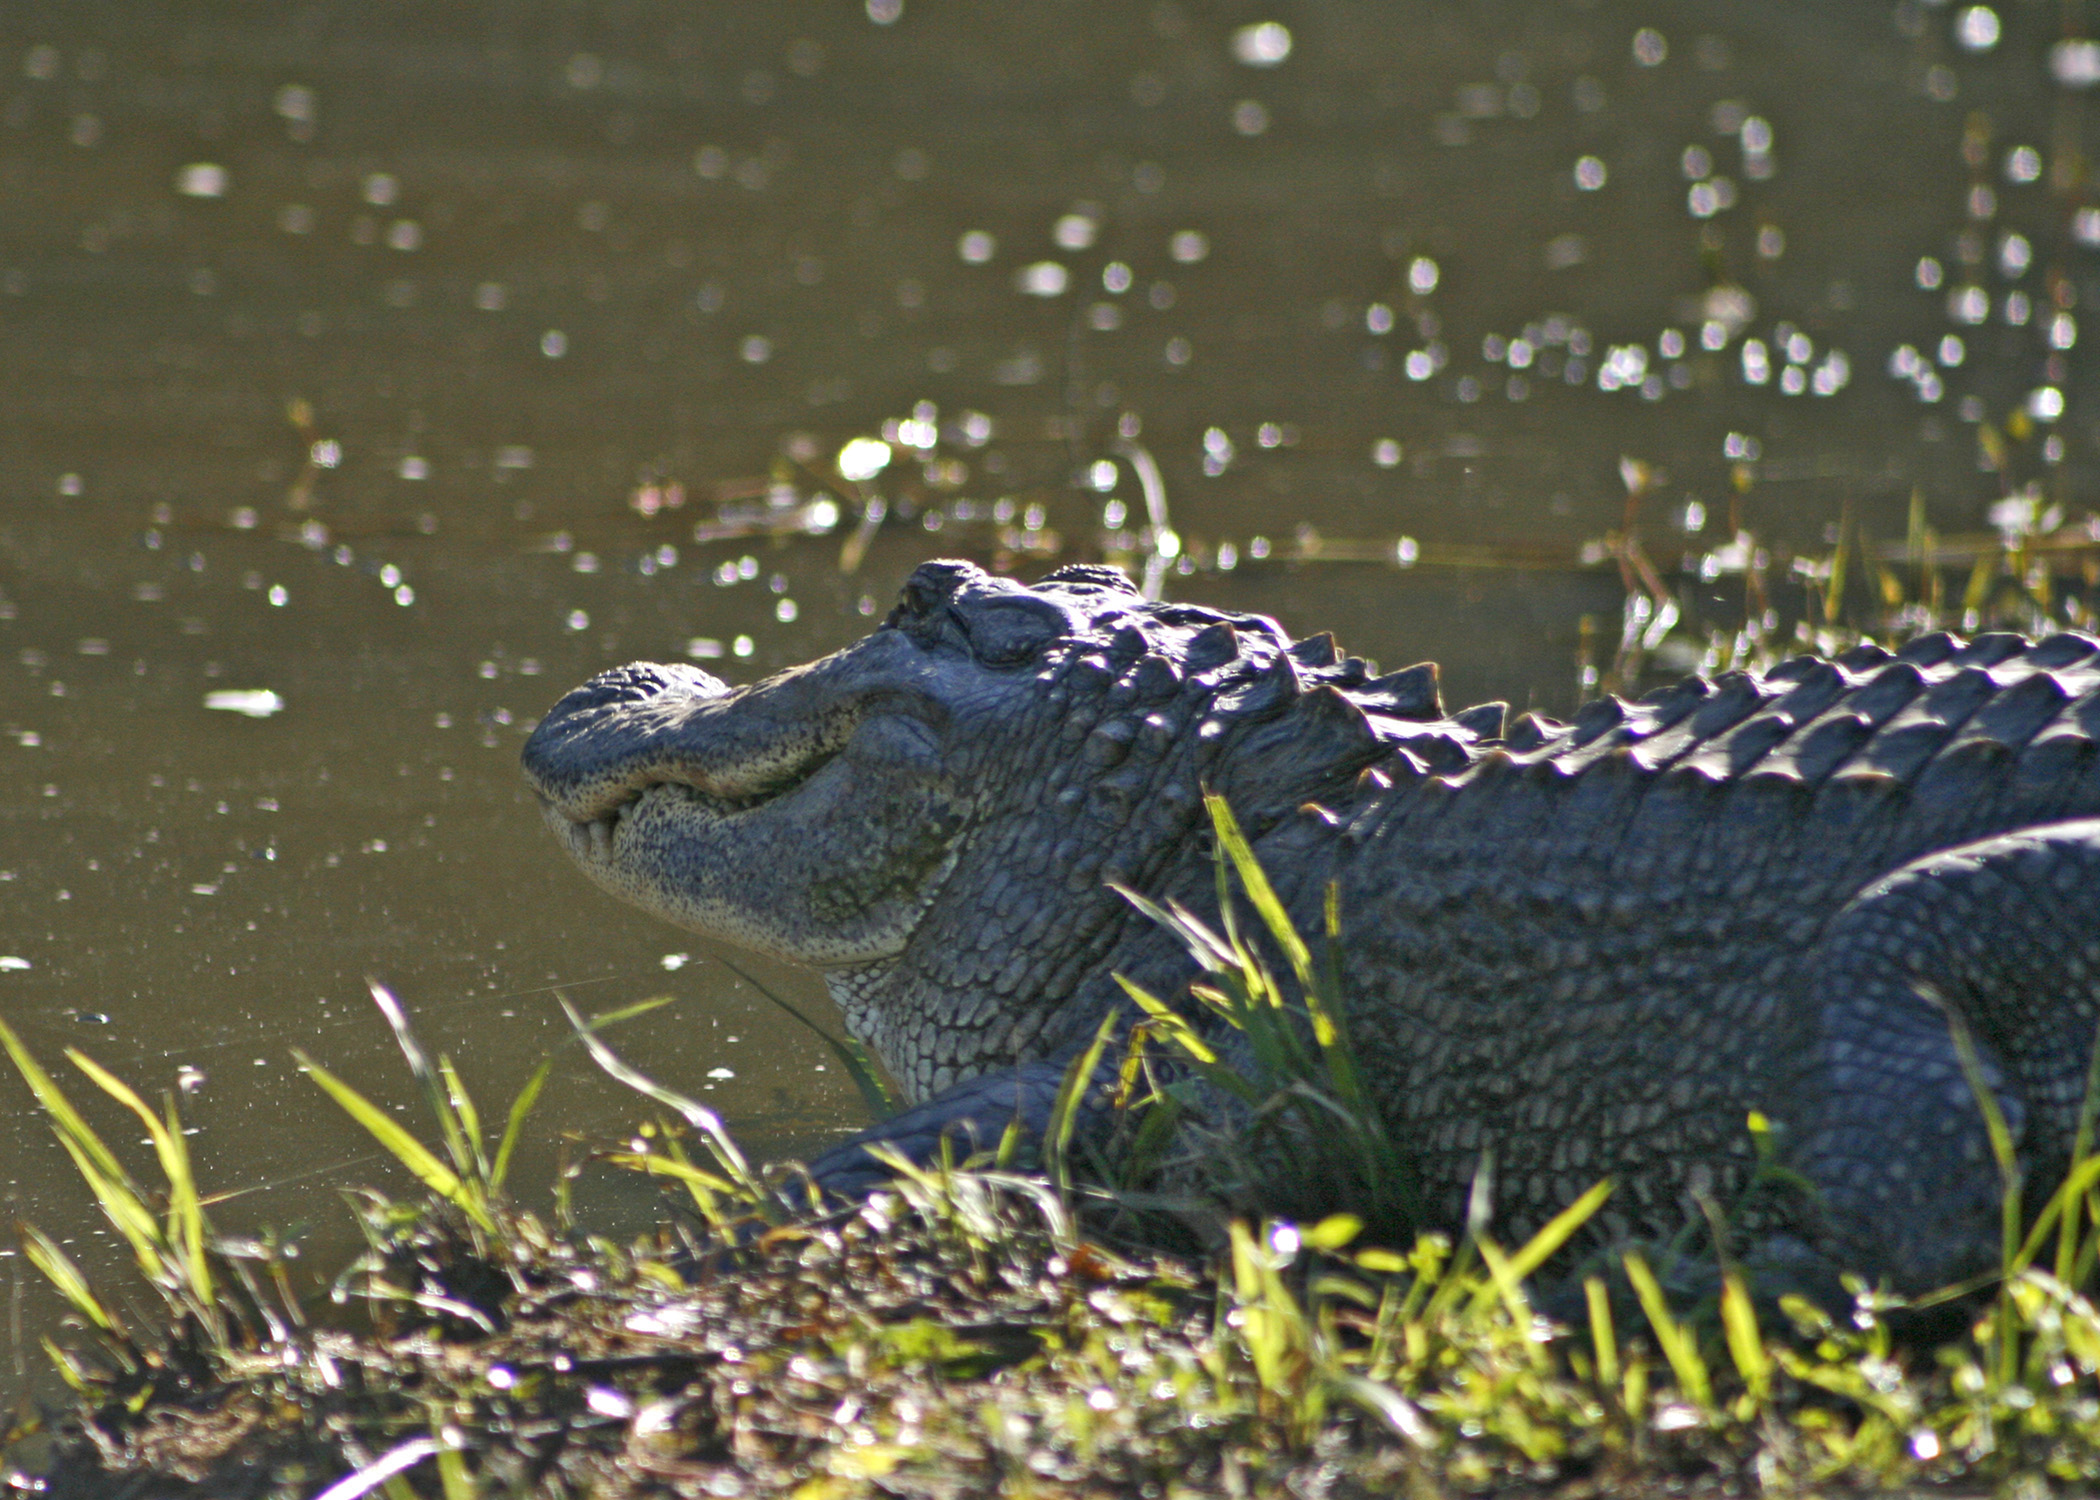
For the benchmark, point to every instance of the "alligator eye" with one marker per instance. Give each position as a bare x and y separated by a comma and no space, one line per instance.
1007,632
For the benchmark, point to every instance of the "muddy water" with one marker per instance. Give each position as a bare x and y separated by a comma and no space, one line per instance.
392,369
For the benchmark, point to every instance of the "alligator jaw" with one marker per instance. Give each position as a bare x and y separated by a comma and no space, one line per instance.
631,730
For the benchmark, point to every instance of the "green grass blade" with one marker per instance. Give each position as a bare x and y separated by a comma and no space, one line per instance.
185,1211
852,1056
65,1119
120,1197
520,1107
126,1210
1256,884
1213,954
58,1268
1679,1347
1503,1283
2000,1134
1559,1230
405,1148
462,1105
186,1221
2063,1202
457,1145
1201,1056
1603,1340
1071,1093
453,1476
1746,1344
1169,1022
699,1116
2081,1148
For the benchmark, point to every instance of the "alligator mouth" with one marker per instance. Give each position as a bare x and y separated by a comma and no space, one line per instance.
594,835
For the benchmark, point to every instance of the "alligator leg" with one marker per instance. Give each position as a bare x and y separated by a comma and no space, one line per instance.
972,1116
1999,940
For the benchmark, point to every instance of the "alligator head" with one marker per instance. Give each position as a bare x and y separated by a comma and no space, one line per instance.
931,816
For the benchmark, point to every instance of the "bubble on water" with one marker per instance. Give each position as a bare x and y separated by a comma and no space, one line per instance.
295,101
202,179
381,188
2023,164
755,350
415,467
885,12
1649,47
1968,304
2045,403
1590,173
577,620
1262,45
976,247
1422,275
785,611
1976,28
1188,246
279,595
863,458
1378,318
1076,230
1250,117
742,646
404,234
1045,278
1386,453
2076,63
554,343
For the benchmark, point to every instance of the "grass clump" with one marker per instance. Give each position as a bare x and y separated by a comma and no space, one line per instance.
971,1331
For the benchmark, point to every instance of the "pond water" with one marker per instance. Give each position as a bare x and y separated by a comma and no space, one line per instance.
370,375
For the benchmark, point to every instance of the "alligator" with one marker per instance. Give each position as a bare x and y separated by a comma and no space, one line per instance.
1857,896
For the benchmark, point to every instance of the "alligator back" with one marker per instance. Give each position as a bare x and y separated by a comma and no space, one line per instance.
1592,948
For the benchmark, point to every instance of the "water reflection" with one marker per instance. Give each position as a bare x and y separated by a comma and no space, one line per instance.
393,375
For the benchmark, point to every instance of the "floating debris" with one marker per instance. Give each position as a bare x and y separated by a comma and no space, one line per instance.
256,703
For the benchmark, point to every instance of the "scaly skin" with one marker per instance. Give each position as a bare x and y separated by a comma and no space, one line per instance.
1590,950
